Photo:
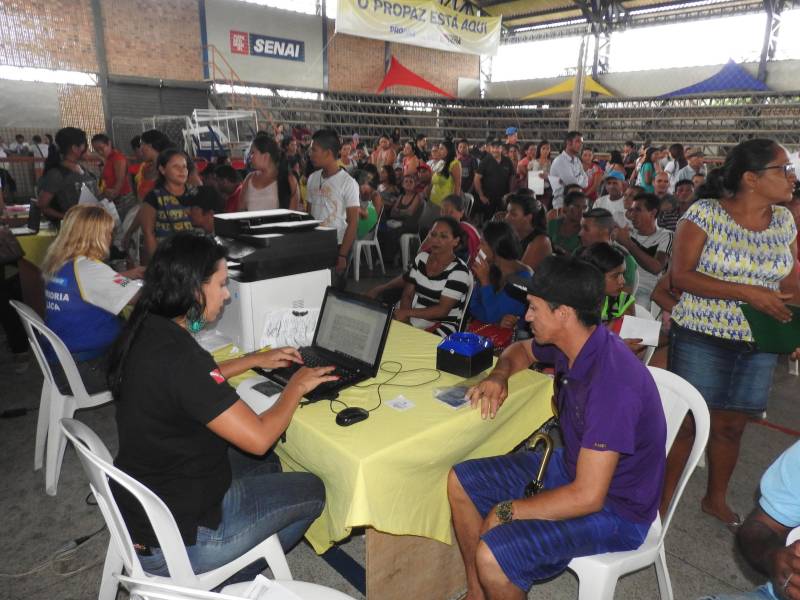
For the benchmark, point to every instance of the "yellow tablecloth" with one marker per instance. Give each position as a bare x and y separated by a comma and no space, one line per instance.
35,246
389,472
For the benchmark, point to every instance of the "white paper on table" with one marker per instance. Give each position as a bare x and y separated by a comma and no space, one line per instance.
268,589
209,339
536,182
289,327
646,330
87,197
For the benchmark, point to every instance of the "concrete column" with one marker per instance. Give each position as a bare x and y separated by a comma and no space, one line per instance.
322,9
102,61
577,92
773,8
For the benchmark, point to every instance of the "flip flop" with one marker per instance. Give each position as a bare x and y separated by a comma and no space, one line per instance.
733,525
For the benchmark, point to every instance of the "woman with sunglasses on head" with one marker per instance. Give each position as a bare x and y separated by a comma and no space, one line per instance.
184,432
735,245
167,208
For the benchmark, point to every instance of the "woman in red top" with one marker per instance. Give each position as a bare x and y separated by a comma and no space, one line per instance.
115,183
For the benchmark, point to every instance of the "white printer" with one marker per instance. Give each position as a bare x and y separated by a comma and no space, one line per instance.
279,260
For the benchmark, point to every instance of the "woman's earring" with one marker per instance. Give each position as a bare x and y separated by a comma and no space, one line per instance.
194,319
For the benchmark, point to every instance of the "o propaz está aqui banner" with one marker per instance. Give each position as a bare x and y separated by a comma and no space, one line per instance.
419,23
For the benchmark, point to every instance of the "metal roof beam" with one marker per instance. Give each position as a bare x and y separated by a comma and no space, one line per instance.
641,17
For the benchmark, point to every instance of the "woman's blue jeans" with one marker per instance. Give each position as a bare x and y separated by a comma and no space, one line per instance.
260,501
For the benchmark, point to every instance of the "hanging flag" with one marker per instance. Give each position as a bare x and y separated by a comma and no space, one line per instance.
400,75
423,23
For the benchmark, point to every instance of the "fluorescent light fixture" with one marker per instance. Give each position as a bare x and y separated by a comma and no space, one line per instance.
47,75
297,94
224,88
251,90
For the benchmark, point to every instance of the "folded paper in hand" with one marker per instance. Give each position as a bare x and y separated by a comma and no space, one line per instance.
289,327
536,182
634,328
87,198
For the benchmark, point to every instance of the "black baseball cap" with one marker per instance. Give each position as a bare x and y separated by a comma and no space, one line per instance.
564,280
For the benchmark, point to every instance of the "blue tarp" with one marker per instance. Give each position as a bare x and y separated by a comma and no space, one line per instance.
731,78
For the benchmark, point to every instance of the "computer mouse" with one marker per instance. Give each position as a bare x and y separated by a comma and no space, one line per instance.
351,415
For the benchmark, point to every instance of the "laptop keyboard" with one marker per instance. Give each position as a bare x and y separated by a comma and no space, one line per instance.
312,359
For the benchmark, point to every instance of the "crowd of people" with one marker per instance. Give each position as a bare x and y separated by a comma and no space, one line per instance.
543,252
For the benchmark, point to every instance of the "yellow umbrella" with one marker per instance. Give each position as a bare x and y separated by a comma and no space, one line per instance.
566,87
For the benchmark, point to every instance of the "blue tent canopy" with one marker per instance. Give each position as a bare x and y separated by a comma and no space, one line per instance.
730,78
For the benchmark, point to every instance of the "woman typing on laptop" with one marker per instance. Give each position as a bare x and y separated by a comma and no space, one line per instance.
185,434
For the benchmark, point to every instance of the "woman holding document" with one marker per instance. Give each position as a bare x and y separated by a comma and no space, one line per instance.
735,245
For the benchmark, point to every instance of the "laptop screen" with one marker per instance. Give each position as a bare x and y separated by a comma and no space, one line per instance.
353,326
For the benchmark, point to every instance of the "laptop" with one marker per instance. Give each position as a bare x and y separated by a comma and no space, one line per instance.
34,219
350,335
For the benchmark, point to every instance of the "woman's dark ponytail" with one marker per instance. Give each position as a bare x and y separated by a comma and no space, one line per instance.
750,155
713,186
173,282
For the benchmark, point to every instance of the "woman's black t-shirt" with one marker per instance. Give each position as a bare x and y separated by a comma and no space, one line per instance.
171,389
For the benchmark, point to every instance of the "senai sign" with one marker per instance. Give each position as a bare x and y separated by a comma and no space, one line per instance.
267,46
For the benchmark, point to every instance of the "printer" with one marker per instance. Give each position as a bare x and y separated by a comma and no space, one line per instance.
278,260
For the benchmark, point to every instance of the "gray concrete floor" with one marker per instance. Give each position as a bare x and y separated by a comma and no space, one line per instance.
701,554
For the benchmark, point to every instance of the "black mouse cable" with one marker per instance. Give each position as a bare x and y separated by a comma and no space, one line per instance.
380,384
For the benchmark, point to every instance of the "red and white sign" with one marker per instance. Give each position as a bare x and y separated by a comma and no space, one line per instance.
240,42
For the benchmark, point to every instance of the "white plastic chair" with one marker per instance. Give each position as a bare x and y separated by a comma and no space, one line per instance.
148,589
98,466
463,321
793,536
635,285
53,405
598,574
643,313
469,200
406,240
367,243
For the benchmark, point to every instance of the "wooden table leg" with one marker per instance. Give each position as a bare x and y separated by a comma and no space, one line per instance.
400,567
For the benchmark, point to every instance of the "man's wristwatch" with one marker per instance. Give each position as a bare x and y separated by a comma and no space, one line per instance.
504,512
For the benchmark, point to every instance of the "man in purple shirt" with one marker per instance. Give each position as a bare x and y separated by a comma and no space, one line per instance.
602,489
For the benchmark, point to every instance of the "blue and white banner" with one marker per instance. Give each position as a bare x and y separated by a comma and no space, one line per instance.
265,45
256,44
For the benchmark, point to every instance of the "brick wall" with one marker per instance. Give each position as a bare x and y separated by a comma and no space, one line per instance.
81,106
441,68
152,38
49,34
356,64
